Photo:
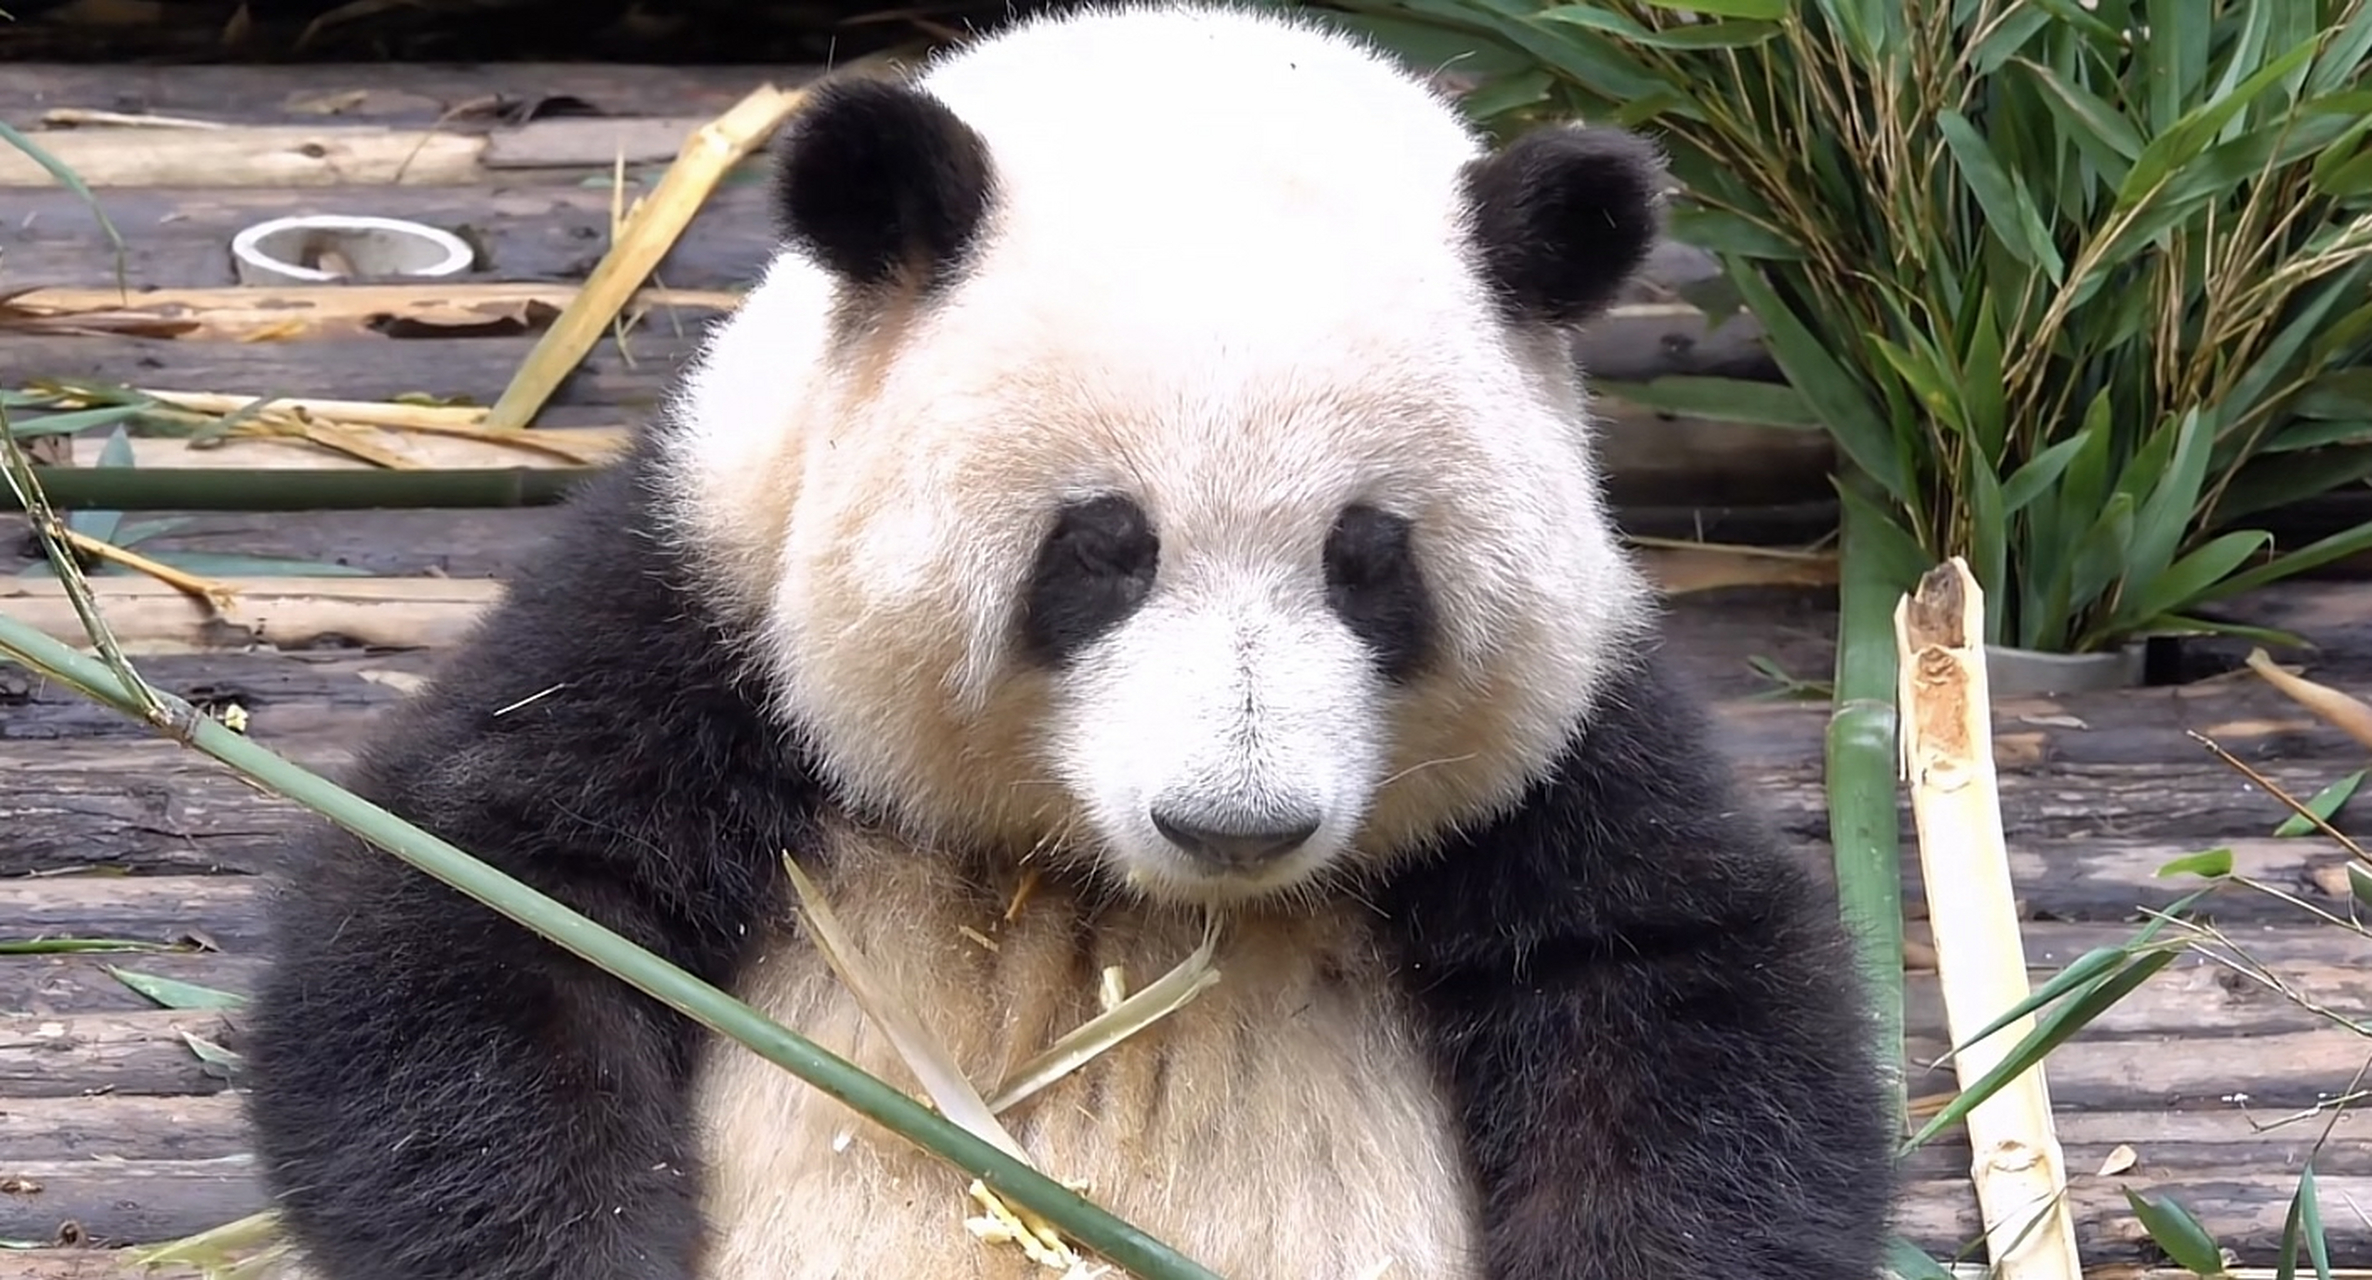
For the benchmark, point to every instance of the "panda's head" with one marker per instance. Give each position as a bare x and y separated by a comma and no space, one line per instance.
1157,448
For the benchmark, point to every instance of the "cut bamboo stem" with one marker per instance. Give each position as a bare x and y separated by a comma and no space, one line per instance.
712,150
2018,1167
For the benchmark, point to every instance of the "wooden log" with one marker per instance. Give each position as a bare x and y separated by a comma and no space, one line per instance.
523,232
81,982
390,93
116,1126
130,1201
343,155
52,1056
288,612
218,910
240,314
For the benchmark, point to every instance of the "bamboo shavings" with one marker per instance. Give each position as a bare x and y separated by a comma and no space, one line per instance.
649,232
1947,744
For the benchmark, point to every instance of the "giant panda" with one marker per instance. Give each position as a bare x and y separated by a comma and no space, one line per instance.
1149,490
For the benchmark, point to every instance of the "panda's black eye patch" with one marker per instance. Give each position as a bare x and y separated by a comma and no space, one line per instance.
1094,569
1373,585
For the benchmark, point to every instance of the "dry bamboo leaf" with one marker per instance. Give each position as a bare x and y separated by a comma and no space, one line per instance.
923,1053
1167,994
2346,713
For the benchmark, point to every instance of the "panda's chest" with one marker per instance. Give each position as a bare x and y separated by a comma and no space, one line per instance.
1284,1123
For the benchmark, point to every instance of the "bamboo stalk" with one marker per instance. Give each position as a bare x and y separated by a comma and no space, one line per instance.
1014,1180
1863,766
649,233
2019,1169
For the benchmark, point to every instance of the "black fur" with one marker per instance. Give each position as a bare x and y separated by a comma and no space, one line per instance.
1562,217
882,183
1095,569
1648,1016
1373,584
441,1094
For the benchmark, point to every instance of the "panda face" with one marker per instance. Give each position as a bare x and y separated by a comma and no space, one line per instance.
1204,500
1224,725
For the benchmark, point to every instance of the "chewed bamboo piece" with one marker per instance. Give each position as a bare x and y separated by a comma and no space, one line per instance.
1947,742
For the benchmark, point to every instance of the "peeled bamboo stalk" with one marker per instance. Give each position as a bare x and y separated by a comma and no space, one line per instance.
1947,743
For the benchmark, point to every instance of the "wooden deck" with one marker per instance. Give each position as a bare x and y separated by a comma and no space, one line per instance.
116,1128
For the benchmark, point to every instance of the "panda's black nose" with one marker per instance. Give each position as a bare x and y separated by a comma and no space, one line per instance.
1232,846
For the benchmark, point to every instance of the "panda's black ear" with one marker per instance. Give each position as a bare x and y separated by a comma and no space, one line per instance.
881,182
1563,216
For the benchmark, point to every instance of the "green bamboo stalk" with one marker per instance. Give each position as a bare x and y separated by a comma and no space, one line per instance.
228,489
1864,824
1077,1218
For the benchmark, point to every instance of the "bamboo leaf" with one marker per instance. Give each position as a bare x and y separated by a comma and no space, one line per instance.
2215,864
2039,473
2197,128
2050,1031
2325,804
2192,577
60,424
2009,214
1907,1261
2309,434
1767,10
2304,1225
2173,1229
175,994
1719,231
1859,431
1764,404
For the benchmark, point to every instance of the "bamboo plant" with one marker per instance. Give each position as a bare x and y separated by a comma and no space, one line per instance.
2078,288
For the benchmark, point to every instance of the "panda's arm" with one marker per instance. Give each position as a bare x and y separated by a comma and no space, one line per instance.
1648,1020
443,1095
